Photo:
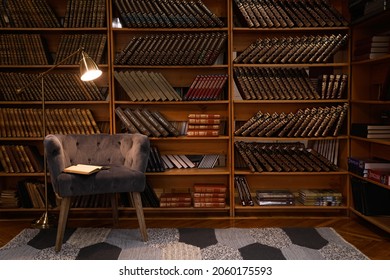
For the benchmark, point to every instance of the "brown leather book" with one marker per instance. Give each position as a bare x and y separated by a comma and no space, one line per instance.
128,124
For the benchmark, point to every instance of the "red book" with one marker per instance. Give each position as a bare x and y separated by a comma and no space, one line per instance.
379,175
210,188
204,121
209,199
171,197
203,116
209,204
204,133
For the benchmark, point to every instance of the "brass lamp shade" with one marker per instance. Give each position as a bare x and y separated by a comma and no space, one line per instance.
88,68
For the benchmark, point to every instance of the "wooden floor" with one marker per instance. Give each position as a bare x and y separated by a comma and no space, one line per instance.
370,240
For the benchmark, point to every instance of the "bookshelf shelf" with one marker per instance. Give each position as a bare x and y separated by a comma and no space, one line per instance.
382,222
192,172
168,30
302,65
291,208
367,106
18,175
292,174
269,102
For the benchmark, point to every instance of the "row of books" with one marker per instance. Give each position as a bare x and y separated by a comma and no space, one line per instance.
206,87
284,197
30,49
90,13
281,157
28,14
370,199
332,86
27,122
243,189
20,159
204,125
274,83
150,123
197,48
309,122
274,197
58,87
39,14
286,13
22,49
146,86
148,199
329,148
372,47
94,45
32,194
374,130
190,161
292,49
160,162
167,13
362,165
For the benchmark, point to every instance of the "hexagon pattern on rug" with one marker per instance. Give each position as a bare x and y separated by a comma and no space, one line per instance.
183,244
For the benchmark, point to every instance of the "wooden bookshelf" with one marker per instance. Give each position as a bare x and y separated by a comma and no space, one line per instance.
243,110
368,75
229,106
64,93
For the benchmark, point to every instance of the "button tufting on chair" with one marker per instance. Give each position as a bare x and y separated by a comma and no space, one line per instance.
123,175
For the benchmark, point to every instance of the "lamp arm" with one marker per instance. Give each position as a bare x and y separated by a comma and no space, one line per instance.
20,90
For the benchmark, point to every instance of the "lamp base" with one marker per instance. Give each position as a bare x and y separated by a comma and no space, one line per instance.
46,221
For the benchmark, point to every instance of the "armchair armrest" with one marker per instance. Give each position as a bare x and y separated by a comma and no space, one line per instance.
56,162
137,157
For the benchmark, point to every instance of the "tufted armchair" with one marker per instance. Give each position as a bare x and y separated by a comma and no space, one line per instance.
126,155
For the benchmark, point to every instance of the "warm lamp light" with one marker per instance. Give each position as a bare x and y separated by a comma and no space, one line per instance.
88,72
88,69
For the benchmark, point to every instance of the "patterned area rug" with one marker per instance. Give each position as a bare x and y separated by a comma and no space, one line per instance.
183,244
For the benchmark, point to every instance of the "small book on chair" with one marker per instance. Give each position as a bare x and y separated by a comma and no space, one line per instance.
84,169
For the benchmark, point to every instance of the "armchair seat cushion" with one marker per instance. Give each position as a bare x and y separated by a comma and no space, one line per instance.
116,179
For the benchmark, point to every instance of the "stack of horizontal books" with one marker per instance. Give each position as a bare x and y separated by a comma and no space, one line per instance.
182,199
320,197
361,165
286,13
203,124
371,130
209,195
167,14
276,197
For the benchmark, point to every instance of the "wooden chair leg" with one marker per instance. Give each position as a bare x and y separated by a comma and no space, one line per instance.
114,205
140,215
63,218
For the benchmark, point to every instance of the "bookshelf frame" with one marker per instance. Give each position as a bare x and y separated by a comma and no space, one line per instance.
231,109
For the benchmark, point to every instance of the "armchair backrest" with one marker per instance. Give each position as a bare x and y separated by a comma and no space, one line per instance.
131,150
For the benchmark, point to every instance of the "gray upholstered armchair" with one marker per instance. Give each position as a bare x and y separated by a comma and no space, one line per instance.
125,154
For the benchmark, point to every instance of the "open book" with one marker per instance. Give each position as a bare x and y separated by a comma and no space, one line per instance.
85,169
